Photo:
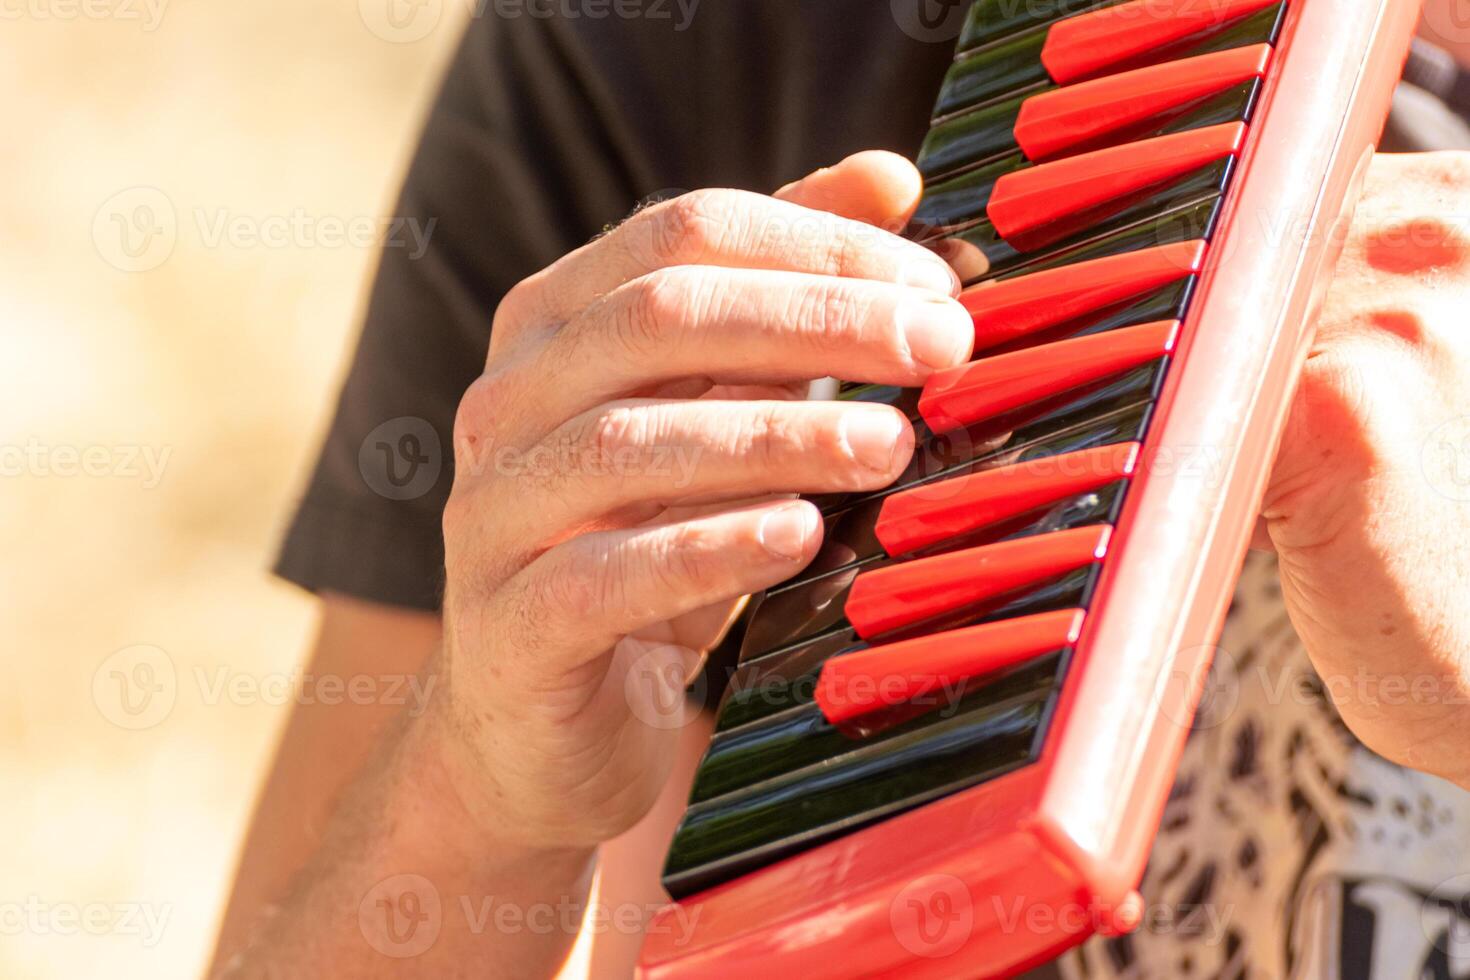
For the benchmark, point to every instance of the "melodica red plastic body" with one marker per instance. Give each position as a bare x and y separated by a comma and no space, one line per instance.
948,743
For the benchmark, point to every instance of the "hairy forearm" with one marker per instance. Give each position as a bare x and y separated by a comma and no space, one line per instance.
408,883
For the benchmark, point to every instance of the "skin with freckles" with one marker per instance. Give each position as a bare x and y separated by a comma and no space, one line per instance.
1371,521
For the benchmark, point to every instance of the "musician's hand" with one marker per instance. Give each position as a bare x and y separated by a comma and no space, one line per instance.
640,394
1369,505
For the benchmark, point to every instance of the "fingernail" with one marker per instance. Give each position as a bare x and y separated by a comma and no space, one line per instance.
934,275
784,533
939,332
872,437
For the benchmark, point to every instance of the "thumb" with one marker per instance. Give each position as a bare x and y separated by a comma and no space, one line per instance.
875,187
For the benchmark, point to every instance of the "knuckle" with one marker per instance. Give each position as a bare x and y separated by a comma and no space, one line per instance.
767,439
517,307
686,230
475,417
548,470
833,446
579,454
687,558
568,588
641,322
831,312
616,430
458,516
611,571
845,252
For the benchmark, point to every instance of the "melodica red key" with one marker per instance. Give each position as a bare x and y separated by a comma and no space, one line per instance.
988,83
927,515
886,677
1077,115
1083,46
964,395
1028,199
891,598
1008,309
976,699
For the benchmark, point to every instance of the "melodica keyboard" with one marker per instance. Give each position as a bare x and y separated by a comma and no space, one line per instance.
948,743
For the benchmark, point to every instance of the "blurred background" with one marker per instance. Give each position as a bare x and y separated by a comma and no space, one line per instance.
191,195
189,202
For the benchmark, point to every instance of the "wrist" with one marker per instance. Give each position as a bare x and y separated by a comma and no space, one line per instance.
452,801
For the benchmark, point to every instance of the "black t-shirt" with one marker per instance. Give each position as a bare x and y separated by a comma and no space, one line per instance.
547,131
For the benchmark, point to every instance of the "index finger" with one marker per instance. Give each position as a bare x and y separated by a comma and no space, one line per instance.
731,229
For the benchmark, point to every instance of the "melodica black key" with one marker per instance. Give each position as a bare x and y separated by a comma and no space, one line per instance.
958,200
1041,60
1024,128
974,697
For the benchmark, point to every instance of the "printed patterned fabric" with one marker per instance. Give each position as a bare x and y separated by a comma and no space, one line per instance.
1288,850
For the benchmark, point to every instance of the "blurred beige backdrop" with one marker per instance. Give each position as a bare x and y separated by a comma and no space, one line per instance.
188,194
